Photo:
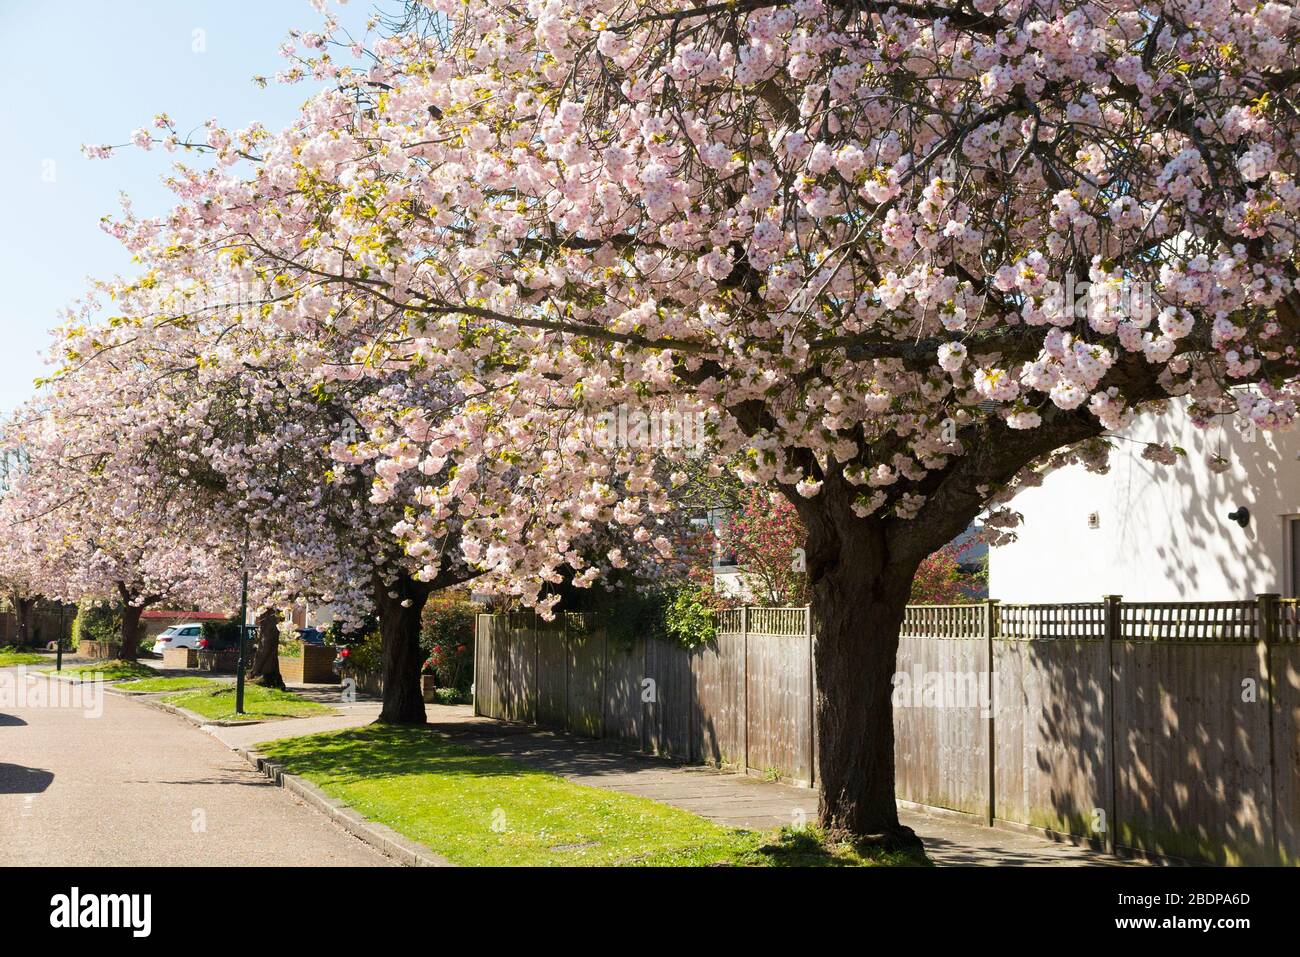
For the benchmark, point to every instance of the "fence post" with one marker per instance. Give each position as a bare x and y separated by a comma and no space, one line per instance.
1266,634
990,624
1110,631
744,685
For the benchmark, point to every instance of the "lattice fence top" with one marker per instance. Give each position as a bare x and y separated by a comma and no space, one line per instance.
1072,620
943,621
773,622
730,621
778,621
1288,620
1227,621
1210,621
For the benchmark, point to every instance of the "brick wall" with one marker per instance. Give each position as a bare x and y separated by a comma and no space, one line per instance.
180,658
314,666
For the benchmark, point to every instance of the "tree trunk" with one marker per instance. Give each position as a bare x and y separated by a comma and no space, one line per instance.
399,626
266,661
25,610
130,633
858,601
857,645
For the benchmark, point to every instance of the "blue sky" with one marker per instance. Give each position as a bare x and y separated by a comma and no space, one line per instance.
82,71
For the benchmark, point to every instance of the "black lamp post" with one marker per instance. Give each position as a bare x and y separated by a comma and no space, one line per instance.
243,619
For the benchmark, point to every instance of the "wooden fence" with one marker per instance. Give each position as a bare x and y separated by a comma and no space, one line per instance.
1171,729
46,626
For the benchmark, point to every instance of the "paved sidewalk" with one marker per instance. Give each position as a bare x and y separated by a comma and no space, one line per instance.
731,799
134,786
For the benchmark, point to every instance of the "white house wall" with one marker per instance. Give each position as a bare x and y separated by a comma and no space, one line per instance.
1163,533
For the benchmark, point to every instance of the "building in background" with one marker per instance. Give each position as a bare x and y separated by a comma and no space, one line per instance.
155,621
1154,532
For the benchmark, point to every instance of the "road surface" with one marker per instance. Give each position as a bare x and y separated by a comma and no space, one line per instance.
119,783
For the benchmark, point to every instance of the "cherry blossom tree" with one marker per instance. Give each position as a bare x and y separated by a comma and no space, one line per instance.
903,259
18,579
206,413
89,518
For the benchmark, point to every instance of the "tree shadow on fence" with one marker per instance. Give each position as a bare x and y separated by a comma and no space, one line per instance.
1192,774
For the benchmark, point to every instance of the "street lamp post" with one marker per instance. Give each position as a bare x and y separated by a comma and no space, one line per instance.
243,625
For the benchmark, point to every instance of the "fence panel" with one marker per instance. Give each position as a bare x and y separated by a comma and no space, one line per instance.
940,735
718,701
521,704
1050,757
1285,664
668,710
499,668
778,710
552,673
586,689
493,630
624,669
1193,775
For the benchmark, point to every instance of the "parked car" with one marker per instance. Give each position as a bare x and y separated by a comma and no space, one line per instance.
179,636
311,636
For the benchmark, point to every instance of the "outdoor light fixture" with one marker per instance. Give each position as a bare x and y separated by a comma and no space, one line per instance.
1241,516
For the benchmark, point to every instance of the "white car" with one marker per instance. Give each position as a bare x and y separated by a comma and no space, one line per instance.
178,636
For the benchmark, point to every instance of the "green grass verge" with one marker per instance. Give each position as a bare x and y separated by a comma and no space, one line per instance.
479,809
218,704
114,670
183,683
9,658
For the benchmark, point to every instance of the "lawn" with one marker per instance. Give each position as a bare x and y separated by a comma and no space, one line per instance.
182,683
479,809
114,670
10,656
218,704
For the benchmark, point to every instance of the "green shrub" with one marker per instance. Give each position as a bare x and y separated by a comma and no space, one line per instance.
689,619
97,623
629,614
680,614
367,654
451,696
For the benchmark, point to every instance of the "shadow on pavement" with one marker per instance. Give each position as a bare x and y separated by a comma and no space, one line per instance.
17,779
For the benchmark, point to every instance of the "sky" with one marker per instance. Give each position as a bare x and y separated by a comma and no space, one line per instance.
91,71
